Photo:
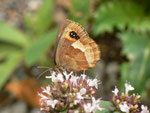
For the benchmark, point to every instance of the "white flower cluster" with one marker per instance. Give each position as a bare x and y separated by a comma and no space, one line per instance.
124,106
77,91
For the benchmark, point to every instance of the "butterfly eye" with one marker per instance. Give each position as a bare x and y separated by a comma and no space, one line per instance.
73,34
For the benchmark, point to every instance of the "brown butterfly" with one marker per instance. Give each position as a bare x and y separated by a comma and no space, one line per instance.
75,50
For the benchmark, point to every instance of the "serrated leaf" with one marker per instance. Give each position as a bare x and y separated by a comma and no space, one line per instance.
43,19
120,14
137,48
8,66
38,48
12,35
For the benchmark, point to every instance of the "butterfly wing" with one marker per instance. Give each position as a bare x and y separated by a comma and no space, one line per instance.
75,53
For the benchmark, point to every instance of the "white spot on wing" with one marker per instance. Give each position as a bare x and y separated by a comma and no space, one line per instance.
83,48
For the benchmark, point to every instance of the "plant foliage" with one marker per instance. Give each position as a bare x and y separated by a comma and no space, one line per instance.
16,46
120,14
131,19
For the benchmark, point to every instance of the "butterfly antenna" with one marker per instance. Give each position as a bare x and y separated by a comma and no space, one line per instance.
49,69
42,67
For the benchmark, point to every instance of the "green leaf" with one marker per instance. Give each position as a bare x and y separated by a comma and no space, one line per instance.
80,11
106,105
8,66
40,22
11,35
39,48
120,14
137,48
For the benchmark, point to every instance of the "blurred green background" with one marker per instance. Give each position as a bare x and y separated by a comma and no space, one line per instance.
28,29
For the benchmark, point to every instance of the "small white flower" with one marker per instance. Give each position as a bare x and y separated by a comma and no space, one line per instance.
76,111
93,107
76,102
47,90
67,76
124,108
144,109
115,91
88,108
93,82
52,103
43,97
128,88
83,76
74,80
82,91
53,76
79,96
96,105
94,101
60,77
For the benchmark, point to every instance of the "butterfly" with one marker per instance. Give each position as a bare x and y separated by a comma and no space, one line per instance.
75,50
